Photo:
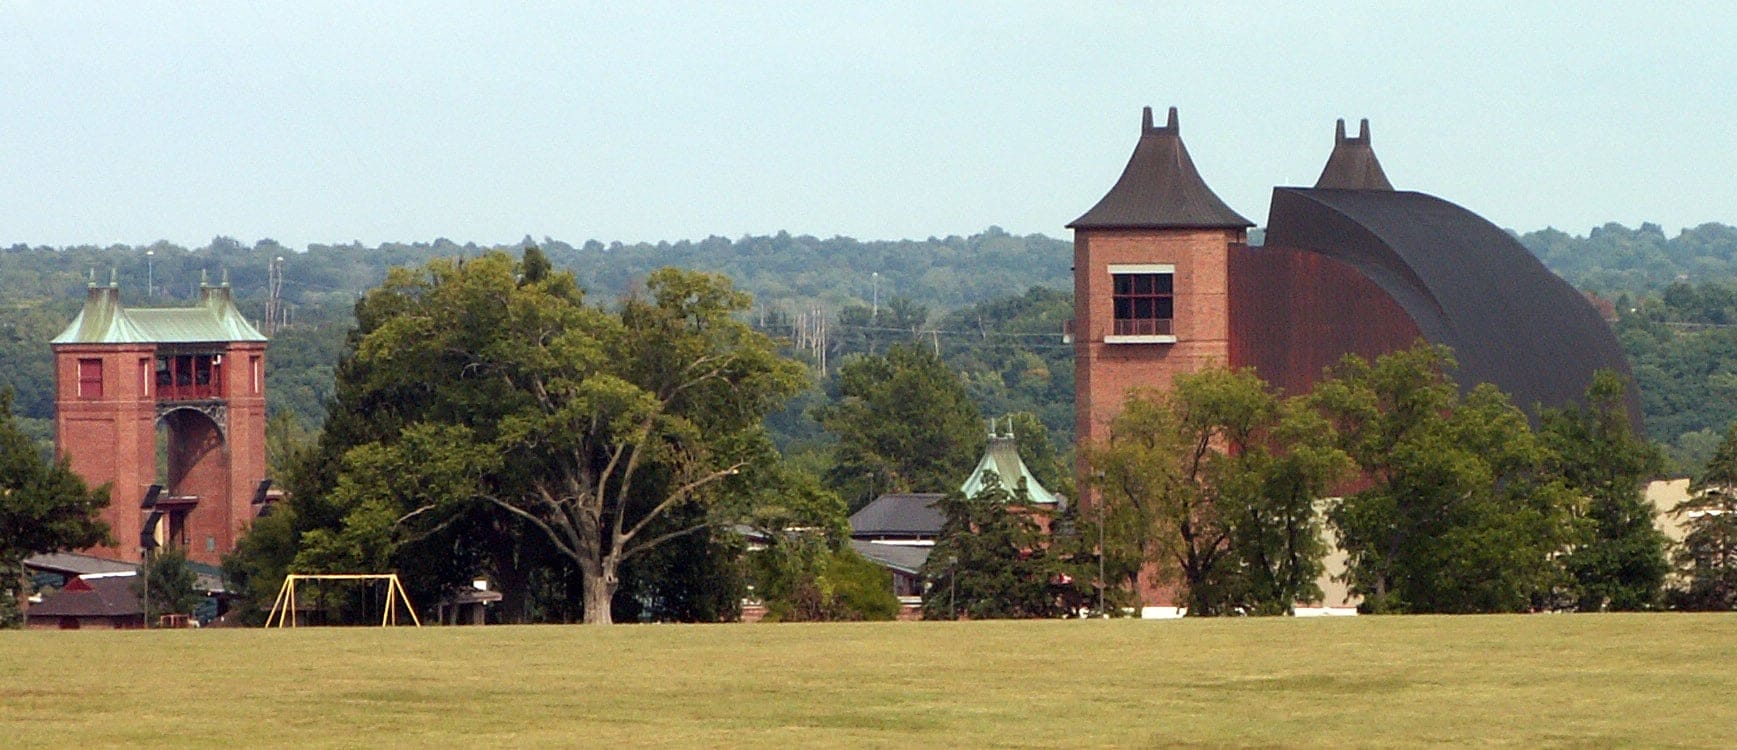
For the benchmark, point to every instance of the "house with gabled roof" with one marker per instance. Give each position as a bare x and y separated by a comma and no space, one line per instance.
102,601
897,530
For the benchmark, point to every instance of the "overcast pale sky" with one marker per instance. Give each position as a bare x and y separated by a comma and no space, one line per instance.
330,122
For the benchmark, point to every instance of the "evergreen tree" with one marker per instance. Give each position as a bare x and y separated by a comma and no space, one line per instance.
44,507
1619,562
991,560
1707,557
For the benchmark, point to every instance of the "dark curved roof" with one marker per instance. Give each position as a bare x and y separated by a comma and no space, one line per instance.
1160,189
1466,283
1352,165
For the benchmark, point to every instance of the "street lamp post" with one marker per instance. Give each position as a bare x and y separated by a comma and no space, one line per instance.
1098,500
952,586
150,273
876,313
1101,557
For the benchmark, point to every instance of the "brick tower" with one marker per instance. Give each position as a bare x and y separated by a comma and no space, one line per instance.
1151,279
199,372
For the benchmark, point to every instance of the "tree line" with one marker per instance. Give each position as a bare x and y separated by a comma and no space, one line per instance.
1228,496
611,460
957,293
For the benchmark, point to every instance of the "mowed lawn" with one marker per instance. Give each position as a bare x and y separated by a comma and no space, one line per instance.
1542,680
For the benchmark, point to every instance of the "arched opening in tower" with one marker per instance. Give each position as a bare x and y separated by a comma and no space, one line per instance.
193,468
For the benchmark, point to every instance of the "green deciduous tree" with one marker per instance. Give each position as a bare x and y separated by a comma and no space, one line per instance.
1707,557
1215,484
44,507
493,382
1620,562
1461,513
904,424
169,586
806,571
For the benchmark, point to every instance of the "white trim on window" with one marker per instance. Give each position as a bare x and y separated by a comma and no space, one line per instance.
1116,268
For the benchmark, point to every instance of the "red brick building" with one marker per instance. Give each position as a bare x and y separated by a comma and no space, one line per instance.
1165,283
199,372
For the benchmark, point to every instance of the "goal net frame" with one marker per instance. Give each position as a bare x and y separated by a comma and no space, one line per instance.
283,611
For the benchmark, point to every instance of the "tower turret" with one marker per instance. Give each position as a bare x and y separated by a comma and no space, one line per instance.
1352,165
1151,298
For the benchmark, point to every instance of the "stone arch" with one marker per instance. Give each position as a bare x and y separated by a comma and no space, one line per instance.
197,478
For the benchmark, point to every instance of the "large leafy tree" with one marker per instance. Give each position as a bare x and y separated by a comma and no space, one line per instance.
1707,556
1461,513
1619,563
1215,484
594,427
44,507
904,424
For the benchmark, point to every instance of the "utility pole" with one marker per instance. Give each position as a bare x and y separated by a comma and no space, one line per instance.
274,312
875,315
150,273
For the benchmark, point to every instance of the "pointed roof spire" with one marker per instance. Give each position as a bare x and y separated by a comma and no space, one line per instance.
1352,165
1160,188
1001,456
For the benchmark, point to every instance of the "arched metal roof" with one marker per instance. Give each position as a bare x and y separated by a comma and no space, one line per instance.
1466,283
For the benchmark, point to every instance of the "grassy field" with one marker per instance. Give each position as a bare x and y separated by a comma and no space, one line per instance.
1546,680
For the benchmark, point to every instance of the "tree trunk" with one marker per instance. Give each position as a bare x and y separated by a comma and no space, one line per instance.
600,582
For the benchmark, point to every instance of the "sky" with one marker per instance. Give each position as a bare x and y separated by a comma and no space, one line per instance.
316,122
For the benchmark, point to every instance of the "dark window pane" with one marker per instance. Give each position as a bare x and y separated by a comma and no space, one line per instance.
1166,308
1124,308
1124,283
1164,281
1143,284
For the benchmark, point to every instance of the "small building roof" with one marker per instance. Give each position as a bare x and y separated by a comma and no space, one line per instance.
904,558
1352,165
108,595
899,515
1002,458
76,564
1160,189
105,321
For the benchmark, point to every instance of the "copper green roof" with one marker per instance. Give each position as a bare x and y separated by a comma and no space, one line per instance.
1002,458
105,321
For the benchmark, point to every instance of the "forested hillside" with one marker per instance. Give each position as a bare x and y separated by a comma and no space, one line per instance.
991,304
